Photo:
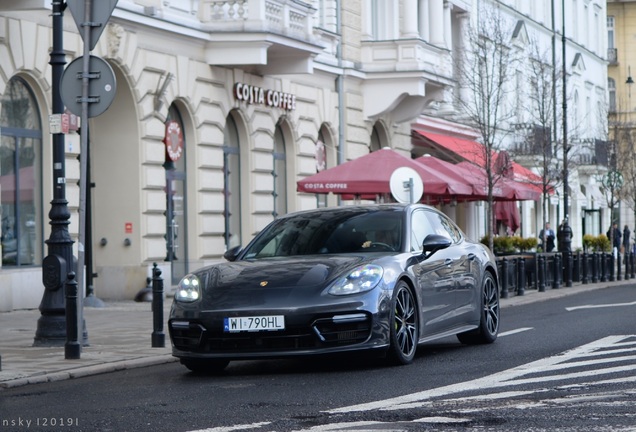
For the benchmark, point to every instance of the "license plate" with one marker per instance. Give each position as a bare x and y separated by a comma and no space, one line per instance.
254,323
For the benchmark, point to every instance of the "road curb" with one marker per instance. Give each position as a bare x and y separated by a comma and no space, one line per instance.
90,370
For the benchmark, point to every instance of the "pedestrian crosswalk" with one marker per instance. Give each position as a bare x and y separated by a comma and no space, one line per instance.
581,377
608,356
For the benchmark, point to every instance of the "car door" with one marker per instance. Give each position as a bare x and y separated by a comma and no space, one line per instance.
465,271
434,276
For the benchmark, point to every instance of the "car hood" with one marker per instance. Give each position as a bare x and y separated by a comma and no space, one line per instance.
273,281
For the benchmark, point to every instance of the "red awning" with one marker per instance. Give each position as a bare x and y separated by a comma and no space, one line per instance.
474,178
527,183
507,212
505,189
468,150
370,174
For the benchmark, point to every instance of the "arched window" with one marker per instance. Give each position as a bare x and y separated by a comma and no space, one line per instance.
232,183
176,195
375,140
379,137
279,173
20,176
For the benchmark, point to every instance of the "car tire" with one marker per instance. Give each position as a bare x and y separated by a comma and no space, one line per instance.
403,326
201,366
489,316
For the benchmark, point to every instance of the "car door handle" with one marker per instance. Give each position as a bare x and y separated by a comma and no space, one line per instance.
448,261
472,256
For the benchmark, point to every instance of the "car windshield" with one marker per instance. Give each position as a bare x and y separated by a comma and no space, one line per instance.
330,232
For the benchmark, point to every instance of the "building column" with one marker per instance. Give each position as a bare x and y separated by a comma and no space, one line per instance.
436,22
410,20
448,30
367,21
424,20
462,44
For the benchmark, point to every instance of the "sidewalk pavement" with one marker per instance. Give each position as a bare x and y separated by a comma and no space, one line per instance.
119,337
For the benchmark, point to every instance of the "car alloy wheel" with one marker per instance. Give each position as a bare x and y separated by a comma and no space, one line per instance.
403,326
489,317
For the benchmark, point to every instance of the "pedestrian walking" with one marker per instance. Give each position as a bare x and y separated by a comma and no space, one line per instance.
626,239
614,234
546,237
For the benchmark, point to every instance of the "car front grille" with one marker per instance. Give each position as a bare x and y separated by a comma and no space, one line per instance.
323,332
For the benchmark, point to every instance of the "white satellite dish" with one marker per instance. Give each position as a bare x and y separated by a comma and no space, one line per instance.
406,185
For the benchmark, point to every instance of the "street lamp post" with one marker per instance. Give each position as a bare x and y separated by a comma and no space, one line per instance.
51,326
566,193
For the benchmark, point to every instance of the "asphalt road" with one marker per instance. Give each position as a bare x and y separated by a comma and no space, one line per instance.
568,364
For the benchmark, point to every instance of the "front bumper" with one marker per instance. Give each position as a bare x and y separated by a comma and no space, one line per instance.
305,334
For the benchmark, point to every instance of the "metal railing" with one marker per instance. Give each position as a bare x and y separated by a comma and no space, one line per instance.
542,271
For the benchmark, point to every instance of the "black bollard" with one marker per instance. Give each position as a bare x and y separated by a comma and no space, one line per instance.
504,278
632,259
585,269
541,273
569,263
627,276
596,275
618,267
72,347
158,336
557,271
607,271
576,267
521,276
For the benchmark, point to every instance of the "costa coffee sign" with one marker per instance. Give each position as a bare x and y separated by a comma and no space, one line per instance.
174,141
270,98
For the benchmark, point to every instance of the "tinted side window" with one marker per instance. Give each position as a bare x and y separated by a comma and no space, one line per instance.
444,226
420,228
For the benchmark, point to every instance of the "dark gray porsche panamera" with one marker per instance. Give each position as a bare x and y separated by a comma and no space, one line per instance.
382,278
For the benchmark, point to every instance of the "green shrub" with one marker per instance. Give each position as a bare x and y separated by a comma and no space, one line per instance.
505,244
525,244
603,243
599,243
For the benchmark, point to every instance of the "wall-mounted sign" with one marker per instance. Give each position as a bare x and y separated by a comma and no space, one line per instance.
271,98
174,140
321,156
128,227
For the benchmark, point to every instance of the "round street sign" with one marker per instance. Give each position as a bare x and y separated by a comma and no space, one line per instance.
101,88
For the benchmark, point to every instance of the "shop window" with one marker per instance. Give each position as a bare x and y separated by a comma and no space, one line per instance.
280,173
20,176
232,184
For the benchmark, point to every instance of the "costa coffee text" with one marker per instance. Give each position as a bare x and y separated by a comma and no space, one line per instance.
271,98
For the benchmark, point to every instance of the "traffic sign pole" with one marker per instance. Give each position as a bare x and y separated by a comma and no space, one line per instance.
86,31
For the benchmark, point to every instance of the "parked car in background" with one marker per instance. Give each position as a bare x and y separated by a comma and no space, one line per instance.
379,278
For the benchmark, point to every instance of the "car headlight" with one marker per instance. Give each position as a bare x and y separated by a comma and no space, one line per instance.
189,289
361,279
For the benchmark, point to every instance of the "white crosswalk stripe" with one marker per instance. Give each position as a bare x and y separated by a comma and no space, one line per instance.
540,371
607,361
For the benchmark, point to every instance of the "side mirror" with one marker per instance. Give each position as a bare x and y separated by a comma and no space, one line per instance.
231,254
434,242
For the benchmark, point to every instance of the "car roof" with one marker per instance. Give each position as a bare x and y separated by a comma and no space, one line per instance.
361,208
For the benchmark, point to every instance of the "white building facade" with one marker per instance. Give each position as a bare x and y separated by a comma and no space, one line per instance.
222,106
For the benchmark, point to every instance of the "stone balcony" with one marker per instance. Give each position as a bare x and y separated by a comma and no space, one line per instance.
260,36
419,72
267,36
